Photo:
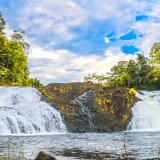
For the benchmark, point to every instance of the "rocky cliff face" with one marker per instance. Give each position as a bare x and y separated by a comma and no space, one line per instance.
87,107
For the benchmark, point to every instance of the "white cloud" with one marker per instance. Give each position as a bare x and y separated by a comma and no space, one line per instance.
108,53
38,53
53,17
8,31
64,66
57,18
150,32
106,40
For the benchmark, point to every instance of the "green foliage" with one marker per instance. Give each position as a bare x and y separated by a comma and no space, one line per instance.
18,36
13,68
98,79
13,59
154,74
136,74
34,83
155,54
143,73
2,24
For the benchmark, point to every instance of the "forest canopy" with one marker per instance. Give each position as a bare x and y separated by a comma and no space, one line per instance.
13,58
144,73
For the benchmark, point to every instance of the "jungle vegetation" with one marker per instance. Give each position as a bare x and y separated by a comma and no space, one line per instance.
13,58
142,73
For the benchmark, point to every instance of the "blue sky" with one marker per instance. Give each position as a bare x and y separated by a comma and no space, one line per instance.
72,38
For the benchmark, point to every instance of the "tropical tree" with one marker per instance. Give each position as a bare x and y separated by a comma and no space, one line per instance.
2,24
144,73
155,54
13,58
143,68
97,79
118,76
154,74
18,36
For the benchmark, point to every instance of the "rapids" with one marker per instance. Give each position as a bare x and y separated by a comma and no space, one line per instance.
146,112
23,112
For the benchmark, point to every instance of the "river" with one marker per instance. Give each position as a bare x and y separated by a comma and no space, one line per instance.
97,146
30,125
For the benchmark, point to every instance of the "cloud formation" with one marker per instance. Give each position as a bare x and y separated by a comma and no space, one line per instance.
62,65
53,23
72,38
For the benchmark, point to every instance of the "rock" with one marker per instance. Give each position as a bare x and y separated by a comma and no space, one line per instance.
88,107
44,156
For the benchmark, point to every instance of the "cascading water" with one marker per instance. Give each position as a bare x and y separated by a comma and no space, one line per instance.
146,112
22,112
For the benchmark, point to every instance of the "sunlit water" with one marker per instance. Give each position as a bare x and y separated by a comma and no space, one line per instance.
139,145
28,124
23,112
146,112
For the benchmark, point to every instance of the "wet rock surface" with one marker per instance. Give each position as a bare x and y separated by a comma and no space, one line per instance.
44,156
87,107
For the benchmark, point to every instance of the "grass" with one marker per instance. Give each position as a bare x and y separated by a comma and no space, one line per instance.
13,155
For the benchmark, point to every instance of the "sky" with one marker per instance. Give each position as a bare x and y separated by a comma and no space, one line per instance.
71,38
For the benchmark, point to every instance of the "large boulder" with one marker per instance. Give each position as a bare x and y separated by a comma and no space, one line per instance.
44,156
87,107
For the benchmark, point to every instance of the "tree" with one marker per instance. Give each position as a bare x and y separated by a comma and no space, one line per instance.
13,59
34,83
143,68
143,73
18,64
155,54
154,74
14,66
3,56
97,79
131,72
117,76
2,24
18,36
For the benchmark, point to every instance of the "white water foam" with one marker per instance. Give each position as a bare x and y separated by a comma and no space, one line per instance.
23,112
146,112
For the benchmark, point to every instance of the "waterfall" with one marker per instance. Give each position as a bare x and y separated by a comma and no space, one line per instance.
146,112
23,112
